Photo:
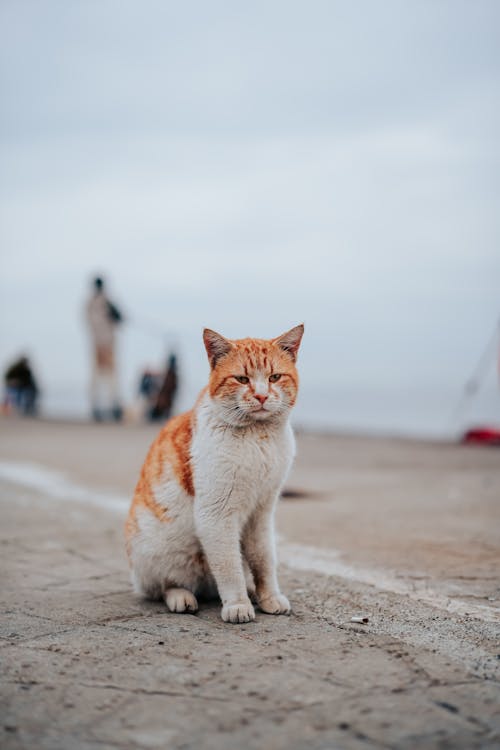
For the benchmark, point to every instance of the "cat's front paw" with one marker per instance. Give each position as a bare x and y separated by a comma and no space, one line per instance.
275,604
238,612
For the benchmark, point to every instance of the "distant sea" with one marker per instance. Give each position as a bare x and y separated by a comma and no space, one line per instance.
430,412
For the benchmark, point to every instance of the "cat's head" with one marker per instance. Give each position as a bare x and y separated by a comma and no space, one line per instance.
253,380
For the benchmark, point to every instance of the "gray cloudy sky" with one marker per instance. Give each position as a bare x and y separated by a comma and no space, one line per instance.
250,166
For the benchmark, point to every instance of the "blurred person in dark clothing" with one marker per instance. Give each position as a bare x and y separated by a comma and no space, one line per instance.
165,399
21,388
103,318
149,387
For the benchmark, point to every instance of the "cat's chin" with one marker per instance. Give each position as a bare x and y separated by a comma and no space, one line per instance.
261,415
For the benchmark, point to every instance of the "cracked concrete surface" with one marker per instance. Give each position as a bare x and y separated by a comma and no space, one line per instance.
87,665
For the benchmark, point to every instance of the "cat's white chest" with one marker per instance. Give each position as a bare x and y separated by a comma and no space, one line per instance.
240,465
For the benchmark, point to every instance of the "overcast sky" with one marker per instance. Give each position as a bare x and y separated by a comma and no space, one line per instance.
249,167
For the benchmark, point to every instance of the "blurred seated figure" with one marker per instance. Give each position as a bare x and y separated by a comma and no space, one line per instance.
156,393
162,408
21,390
150,384
147,393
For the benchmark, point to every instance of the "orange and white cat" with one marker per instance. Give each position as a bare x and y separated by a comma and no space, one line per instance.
202,518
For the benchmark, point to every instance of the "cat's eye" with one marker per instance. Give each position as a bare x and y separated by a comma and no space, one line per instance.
274,377
242,378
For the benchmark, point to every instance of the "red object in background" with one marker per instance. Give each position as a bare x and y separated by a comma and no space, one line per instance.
482,436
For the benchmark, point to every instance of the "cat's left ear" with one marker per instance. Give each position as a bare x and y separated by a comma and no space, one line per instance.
216,345
290,341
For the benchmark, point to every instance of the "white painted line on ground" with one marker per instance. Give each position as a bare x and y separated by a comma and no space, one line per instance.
329,562
57,485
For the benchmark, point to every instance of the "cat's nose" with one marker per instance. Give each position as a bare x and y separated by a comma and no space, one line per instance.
260,397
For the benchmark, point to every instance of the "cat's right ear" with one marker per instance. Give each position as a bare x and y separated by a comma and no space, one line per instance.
216,345
290,341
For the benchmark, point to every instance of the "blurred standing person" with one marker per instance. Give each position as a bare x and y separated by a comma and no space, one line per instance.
21,390
165,400
103,318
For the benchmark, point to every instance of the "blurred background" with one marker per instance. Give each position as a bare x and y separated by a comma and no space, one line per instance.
247,168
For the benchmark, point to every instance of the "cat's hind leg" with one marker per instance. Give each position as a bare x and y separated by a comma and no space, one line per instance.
249,580
180,600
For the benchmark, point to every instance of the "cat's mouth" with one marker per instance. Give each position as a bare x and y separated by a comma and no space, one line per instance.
260,412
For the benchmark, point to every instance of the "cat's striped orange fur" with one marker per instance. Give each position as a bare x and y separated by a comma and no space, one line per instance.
172,447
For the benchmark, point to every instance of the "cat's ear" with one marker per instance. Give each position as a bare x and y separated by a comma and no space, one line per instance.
216,345
290,341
